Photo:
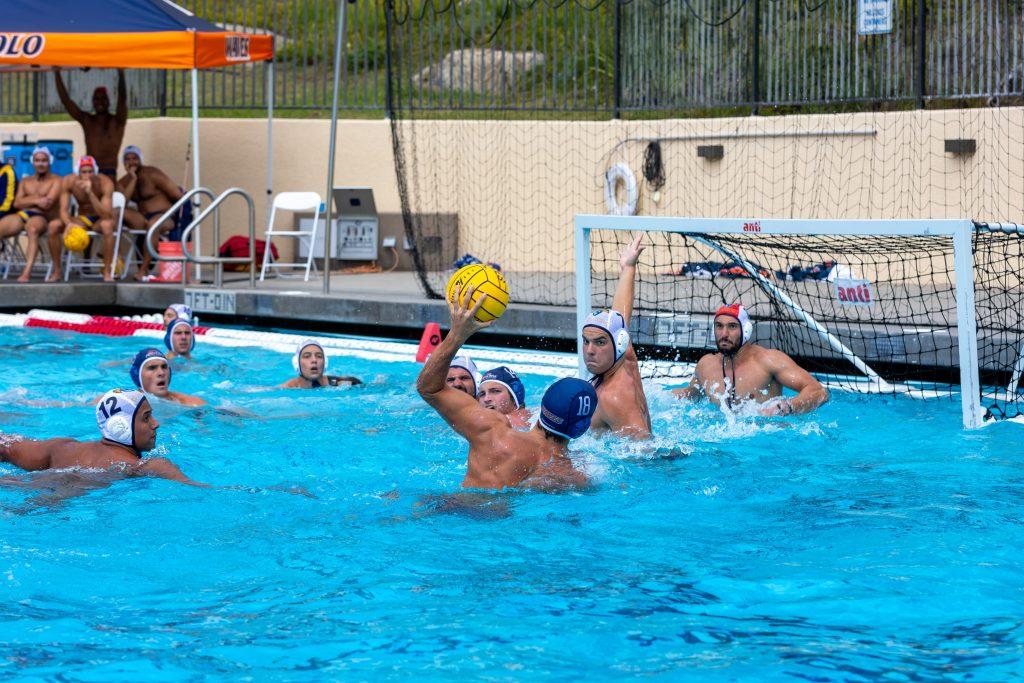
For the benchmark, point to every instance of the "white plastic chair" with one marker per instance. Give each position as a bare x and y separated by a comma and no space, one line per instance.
292,201
12,255
118,202
133,255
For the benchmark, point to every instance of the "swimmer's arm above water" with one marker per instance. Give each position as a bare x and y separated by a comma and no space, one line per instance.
165,469
810,392
28,454
459,409
331,380
625,289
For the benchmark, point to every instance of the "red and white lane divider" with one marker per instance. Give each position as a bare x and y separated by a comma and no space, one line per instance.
93,324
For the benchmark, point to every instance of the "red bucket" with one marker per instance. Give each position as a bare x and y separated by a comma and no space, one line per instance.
170,271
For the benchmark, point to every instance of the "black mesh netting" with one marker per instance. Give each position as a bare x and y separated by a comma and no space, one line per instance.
999,308
852,308
506,121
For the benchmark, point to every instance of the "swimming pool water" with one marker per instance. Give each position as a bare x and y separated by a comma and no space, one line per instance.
871,540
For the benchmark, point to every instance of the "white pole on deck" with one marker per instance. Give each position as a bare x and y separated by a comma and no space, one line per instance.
195,167
270,140
328,223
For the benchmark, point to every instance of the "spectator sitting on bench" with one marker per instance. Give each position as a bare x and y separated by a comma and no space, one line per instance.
94,194
153,192
36,212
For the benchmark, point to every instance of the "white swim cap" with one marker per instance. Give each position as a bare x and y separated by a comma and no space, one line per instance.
298,352
115,415
132,149
182,311
42,149
614,324
467,364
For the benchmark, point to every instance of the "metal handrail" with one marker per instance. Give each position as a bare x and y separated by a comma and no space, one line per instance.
219,261
167,214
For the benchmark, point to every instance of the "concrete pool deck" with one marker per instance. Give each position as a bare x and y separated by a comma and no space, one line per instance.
372,299
393,302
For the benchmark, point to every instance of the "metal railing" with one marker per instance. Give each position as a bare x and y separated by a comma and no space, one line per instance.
214,210
169,214
605,56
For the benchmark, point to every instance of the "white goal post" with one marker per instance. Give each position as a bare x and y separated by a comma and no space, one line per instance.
702,230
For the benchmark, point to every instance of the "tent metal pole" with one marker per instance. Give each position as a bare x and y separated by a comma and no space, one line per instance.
328,222
270,140
195,166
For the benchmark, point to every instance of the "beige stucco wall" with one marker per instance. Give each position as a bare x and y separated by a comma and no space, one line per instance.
538,175
516,185
233,152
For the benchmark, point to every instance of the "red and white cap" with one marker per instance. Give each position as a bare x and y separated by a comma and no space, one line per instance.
739,313
86,160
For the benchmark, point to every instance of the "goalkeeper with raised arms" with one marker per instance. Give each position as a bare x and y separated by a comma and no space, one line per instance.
742,372
610,359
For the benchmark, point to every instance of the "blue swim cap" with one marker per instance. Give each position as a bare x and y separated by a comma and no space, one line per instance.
170,330
507,378
142,359
567,407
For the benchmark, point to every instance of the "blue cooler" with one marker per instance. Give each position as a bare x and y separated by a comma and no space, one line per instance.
63,152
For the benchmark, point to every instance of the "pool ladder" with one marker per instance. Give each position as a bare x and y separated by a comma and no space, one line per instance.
214,209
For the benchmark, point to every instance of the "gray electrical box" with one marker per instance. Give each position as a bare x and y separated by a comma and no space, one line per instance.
357,224
306,224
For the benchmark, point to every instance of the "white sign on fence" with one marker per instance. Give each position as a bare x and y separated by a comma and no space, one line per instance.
210,301
874,17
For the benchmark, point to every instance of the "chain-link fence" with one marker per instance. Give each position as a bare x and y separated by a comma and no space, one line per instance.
608,57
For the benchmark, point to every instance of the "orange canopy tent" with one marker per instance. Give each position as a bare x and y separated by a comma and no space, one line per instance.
127,34
138,34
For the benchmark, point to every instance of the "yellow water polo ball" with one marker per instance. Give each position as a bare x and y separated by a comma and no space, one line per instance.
76,238
487,281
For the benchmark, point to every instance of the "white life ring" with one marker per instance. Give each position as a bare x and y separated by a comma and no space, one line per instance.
620,173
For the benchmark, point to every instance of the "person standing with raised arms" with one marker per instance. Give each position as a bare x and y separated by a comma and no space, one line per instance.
103,131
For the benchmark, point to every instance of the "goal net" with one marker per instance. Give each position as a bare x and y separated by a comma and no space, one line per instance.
923,308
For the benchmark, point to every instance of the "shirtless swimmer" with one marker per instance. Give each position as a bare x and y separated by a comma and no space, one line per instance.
151,373
503,391
744,372
501,456
310,361
128,429
609,356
